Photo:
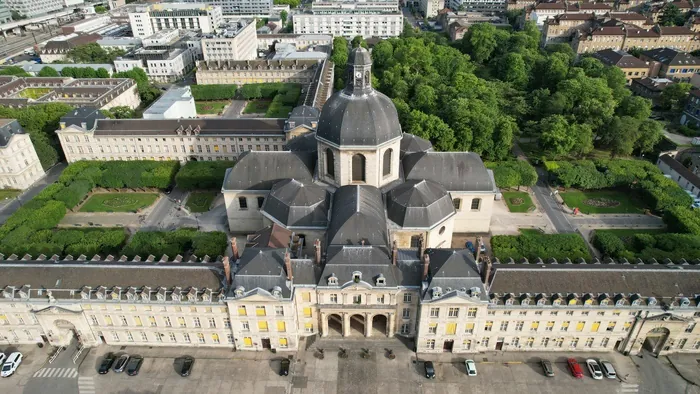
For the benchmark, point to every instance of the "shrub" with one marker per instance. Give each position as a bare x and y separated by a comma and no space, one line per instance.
182,241
515,173
212,244
213,92
202,174
73,194
682,220
608,244
532,244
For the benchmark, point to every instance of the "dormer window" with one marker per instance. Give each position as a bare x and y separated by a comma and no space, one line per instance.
381,280
240,290
277,291
556,302
436,292
175,296
685,302
333,280
509,301
160,296
475,291
651,301
541,302
525,301
356,276
604,302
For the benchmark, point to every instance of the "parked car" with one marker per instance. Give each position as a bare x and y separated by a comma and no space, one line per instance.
429,370
134,365
594,369
608,369
120,364
187,363
575,368
547,368
284,369
482,247
106,363
169,189
13,361
470,246
471,367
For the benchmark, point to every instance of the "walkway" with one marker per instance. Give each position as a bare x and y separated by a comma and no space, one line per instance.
677,138
51,177
617,221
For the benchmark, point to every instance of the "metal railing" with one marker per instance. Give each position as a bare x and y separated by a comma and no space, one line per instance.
78,353
58,351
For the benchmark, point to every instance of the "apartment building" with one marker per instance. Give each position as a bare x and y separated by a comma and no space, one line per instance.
257,71
370,19
541,12
166,56
262,8
561,28
236,41
626,37
5,13
672,64
147,20
302,42
650,88
686,178
691,112
632,67
430,8
33,8
479,5
19,163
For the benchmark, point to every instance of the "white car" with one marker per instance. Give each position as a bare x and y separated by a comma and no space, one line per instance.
11,364
471,367
594,369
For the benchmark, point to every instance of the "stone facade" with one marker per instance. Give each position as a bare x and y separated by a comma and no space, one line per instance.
257,71
19,163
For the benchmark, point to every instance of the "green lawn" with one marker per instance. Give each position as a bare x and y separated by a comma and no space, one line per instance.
210,107
200,201
257,107
626,235
118,202
9,193
620,202
518,201
33,93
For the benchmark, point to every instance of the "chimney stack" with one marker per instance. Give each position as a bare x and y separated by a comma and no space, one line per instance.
317,251
421,248
394,252
362,242
227,270
486,270
288,265
234,249
426,266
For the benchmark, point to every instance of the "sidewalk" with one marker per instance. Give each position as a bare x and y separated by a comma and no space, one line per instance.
687,366
197,353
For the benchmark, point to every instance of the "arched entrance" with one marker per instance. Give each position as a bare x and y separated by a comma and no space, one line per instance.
358,168
357,325
656,339
379,326
335,325
65,331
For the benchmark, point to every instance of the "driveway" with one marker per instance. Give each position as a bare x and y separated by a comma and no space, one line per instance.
677,138
50,177
235,109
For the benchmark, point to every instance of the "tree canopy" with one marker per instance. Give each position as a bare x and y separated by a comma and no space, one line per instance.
93,53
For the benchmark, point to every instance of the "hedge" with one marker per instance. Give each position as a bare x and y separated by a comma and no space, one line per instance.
608,244
172,243
213,92
289,91
514,173
648,246
202,174
532,244
62,242
682,220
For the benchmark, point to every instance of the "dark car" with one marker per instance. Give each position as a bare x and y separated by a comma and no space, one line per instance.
134,365
284,369
429,370
470,246
547,368
169,189
106,364
120,364
187,363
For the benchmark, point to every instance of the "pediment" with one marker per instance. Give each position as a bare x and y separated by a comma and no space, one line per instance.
54,310
668,317
457,298
361,285
258,295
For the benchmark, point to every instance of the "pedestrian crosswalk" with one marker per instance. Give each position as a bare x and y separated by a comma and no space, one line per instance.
629,388
86,385
57,373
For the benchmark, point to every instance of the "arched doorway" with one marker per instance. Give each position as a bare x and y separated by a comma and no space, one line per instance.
65,331
656,339
335,325
379,326
358,168
357,325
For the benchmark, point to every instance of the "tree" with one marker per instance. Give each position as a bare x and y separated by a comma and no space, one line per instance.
556,135
93,53
671,16
591,66
359,41
673,96
100,9
102,73
650,133
636,107
480,41
283,16
290,3
48,72
620,135
512,68
120,112
14,70
425,98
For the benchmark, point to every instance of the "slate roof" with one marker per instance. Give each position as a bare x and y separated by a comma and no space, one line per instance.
78,116
619,58
412,144
371,261
358,116
261,170
455,171
681,170
8,128
273,236
215,126
419,204
357,214
260,268
297,204
304,115
671,57
303,143
453,270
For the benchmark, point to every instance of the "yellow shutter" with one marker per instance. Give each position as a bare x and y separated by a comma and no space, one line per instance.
451,329
3,317
535,325
137,319
215,337
579,326
152,320
306,296
108,320
627,325
241,311
248,341
470,326
611,325
595,327
262,325
307,312
283,342
260,311
309,326
550,324
565,324
281,327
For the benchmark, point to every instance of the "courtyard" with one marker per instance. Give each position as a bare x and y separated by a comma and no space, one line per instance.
602,201
118,202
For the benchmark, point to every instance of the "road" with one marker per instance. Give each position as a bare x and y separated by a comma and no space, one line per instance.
659,377
409,17
51,176
235,109
61,376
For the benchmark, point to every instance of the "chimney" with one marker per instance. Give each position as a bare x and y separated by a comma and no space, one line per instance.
234,249
421,248
317,251
288,265
362,242
486,270
227,270
426,266
394,253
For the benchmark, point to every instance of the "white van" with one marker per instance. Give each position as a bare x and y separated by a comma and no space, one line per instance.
11,364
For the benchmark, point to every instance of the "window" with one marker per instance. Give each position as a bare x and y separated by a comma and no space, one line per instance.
434,312
504,326
94,320
690,327
430,344
187,337
115,336
242,311
405,328
358,168
485,342
357,299
530,341
574,342
281,326
534,326
386,162
108,320
519,325
550,326
144,337
604,342
580,325
197,323
306,296
227,322
407,297
283,342
488,325
309,327
279,311
214,338
457,202
200,337
406,313
242,203
432,328
476,204
380,299
129,336
262,326
589,342
451,329
545,342
137,321
260,311
245,326
261,201
453,312
595,326
212,322
330,164
469,328
166,319
565,326
334,298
